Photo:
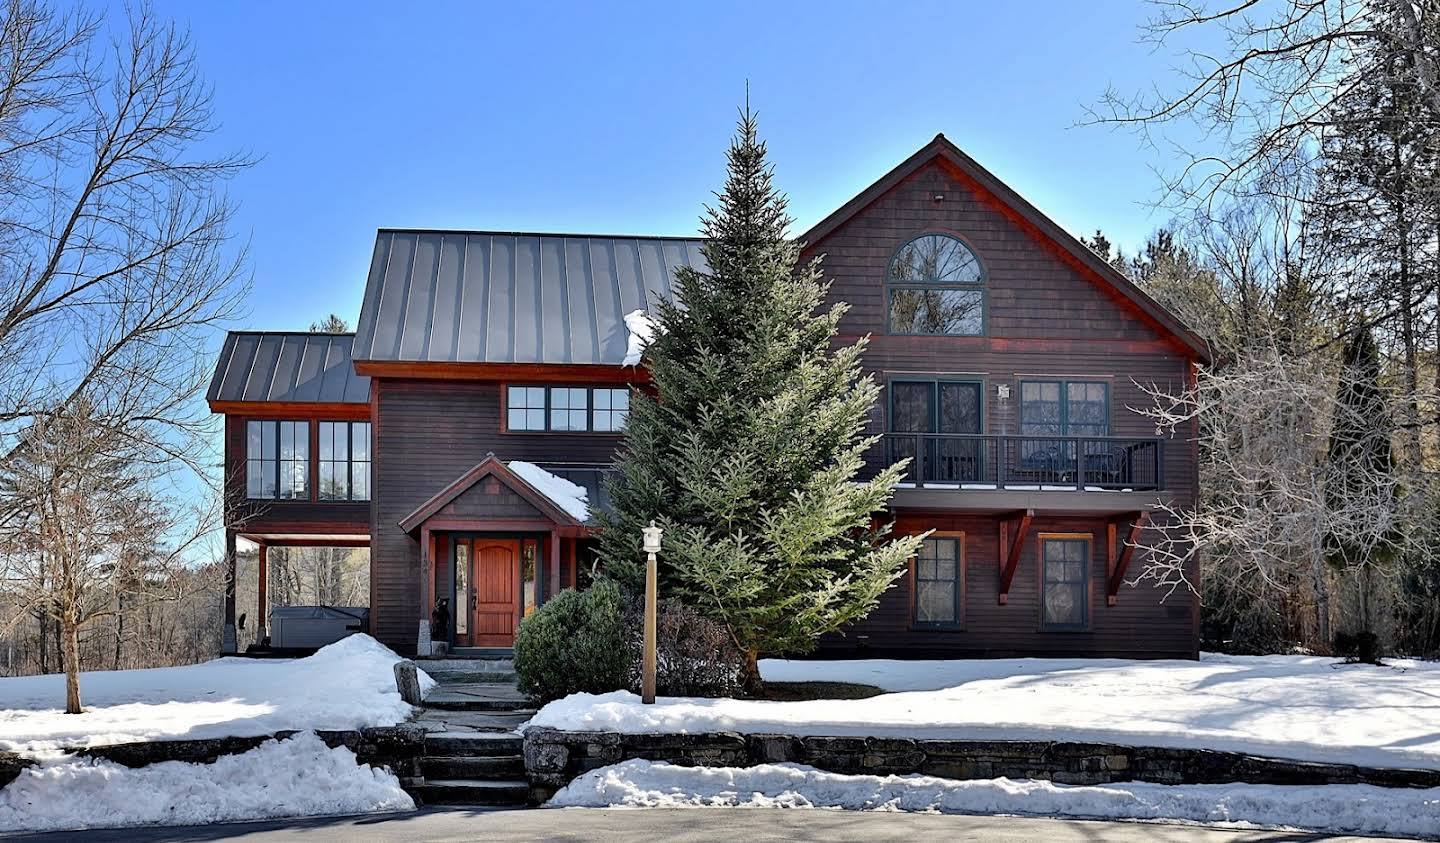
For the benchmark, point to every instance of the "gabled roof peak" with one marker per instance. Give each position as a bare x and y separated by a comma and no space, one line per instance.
943,150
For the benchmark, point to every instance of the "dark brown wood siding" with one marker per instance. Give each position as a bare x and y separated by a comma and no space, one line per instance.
1144,622
1046,319
427,433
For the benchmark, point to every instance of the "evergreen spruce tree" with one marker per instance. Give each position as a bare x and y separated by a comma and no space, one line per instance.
749,454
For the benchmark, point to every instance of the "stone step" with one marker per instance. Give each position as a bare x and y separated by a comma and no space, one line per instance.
433,666
437,720
472,792
473,744
480,768
457,702
491,676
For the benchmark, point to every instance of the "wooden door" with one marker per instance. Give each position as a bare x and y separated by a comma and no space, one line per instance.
495,563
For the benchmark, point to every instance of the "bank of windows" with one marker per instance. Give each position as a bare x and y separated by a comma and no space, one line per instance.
277,460
571,409
935,285
939,581
1064,582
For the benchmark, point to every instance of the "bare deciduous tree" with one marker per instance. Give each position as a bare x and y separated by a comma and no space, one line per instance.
115,266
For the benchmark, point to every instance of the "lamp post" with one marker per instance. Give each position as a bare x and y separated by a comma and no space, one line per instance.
647,663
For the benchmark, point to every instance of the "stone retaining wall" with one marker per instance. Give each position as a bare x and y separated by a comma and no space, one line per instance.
397,747
553,758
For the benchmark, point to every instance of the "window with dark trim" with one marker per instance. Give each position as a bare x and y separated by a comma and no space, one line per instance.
934,287
344,461
1065,582
944,407
938,587
277,459
568,409
1064,408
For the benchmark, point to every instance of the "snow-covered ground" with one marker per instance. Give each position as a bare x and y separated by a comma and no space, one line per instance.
347,685
1347,808
291,778
1297,707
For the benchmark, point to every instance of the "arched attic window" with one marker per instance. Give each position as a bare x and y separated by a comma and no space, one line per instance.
935,286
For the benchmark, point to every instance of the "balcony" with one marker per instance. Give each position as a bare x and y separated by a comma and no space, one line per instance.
1028,463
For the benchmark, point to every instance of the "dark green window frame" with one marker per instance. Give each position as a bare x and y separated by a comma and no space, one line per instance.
927,563
975,449
550,408
937,284
1058,577
1064,399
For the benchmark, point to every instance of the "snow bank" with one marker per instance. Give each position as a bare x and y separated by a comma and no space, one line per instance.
1349,808
641,332
1304,708
347,685
566,495
292,778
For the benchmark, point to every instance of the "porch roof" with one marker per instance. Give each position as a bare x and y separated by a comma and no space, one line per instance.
538,495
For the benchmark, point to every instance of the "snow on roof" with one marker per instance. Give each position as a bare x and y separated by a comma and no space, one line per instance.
561,492
641,332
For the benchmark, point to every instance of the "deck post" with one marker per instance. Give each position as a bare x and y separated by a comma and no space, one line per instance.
554,563
424,646
262,592
229,644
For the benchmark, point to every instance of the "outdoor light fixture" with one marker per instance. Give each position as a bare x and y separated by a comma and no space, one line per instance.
651,546
652,538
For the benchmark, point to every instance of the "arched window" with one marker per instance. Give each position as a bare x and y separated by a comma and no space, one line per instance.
934,286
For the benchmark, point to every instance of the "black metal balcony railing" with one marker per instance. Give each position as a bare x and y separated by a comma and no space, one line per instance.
1028,462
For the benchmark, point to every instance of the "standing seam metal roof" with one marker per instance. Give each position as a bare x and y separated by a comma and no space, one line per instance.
286,366
512,297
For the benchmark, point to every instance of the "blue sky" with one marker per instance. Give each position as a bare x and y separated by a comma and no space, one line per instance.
583,118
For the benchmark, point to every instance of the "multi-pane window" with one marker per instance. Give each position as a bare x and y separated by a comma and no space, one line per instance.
1064,408
344,461
940,409
1065,565
937,582
611,408
934,288
566,408
525,408
569,408
277,459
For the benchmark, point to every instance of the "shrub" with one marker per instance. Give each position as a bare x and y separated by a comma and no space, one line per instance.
694,655
575,642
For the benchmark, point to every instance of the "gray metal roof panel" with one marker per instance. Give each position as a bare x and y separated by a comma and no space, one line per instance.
289,367
512,297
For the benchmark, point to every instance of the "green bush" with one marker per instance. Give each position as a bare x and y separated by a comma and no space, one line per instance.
575,642
592,640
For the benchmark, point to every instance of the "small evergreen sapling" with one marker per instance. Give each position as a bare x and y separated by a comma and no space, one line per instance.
750,454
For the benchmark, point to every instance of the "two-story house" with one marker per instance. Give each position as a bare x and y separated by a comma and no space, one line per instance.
487,364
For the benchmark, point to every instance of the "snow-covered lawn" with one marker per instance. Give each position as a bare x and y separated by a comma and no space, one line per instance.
291,778
347,685
1297,707
1348,808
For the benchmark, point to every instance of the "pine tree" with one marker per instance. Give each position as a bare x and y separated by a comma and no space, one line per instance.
1379,200
750,451
1361,491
